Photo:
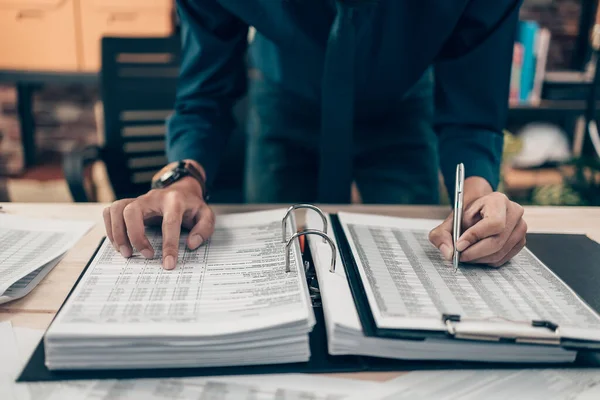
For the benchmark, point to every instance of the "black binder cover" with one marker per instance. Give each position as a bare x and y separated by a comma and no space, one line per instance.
574,258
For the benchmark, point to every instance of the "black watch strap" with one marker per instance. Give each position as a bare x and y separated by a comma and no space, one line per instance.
179,171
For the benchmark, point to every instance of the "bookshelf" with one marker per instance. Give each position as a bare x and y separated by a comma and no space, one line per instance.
548,110
569,114
516,180
564,113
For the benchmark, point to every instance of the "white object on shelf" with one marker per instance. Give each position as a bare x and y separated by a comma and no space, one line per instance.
542,143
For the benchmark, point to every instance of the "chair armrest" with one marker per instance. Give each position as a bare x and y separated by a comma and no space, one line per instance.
74,164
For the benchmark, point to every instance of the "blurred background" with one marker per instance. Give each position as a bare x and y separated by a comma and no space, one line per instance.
85,86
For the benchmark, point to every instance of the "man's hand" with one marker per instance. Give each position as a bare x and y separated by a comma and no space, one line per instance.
180,204
493,227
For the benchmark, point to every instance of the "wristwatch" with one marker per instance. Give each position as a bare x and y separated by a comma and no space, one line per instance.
177,172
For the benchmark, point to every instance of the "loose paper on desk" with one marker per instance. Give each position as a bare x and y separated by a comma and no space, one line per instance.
30,248
16,346
268,387
250,387
532,384
409,285
294,387
10,365
27,340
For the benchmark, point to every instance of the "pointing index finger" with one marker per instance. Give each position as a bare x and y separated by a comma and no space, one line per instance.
171,229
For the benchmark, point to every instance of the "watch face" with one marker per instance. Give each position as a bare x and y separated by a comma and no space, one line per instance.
166,176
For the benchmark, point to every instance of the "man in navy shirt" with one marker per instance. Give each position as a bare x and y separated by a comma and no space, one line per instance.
380,93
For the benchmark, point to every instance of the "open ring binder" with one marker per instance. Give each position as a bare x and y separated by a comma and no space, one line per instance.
295,207
310,232
451,337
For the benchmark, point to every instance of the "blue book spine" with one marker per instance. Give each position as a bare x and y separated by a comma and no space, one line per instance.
528,31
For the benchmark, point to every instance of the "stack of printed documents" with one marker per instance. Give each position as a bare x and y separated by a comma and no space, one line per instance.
402,300
230,302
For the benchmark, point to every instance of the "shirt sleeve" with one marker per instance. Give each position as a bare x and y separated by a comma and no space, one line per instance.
472,89
212,77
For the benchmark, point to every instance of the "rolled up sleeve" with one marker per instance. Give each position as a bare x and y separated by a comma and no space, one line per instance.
472,88
212,77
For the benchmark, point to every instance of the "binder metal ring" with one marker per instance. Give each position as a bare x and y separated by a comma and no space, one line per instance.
295,207
310,232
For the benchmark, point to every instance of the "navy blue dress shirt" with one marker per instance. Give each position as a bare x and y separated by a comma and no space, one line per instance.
469,43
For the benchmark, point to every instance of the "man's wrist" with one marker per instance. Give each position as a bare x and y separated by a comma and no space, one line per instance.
476,187
189,184
173,164
196,176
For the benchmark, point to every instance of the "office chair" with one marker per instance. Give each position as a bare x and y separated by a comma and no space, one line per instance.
138,83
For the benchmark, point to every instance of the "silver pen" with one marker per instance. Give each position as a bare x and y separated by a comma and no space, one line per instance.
458,211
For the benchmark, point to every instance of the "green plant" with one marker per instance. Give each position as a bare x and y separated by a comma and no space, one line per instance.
585,181
555,195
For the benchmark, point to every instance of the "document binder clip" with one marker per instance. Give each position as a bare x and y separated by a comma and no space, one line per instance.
295,207
310,232
545,324
448,319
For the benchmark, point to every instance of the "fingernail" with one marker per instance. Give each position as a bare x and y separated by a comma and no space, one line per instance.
147,253
462,245
446,251
125,252
196,240
169,262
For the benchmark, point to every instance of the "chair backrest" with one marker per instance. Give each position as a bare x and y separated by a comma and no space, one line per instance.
138,88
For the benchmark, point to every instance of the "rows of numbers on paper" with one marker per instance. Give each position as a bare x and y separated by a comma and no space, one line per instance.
237,271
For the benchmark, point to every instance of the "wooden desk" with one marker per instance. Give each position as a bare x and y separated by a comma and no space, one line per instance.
38,308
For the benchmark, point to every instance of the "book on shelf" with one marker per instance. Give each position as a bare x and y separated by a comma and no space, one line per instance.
515,76
530,58
541,61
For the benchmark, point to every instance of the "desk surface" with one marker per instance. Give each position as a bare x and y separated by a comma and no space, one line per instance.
38,308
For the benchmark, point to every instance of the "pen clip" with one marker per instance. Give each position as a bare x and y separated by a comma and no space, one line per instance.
460,179
458,205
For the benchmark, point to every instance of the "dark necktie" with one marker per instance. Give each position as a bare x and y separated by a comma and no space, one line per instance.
337,110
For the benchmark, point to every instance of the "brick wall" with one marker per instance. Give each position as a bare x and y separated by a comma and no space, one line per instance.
11,154
64,117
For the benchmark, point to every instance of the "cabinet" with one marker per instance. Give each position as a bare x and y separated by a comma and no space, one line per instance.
38,35
129,18
65,35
